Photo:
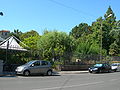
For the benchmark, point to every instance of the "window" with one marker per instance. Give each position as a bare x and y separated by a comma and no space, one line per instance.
37,63
44,63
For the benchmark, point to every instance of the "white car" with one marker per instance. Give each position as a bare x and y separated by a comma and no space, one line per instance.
115,67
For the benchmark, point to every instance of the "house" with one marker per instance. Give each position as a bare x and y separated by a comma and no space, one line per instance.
4,34
1,39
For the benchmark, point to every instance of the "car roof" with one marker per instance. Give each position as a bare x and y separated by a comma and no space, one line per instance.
115,63
101,63
38,60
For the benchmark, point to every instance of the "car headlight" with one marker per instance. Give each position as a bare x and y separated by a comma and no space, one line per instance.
20,69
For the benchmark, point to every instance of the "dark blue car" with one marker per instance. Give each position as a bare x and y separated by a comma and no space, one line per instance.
98,68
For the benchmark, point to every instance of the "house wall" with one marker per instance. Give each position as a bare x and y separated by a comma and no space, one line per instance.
4,34
1,66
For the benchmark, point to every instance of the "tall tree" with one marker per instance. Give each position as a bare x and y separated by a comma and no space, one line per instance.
81,30
110,16
115,46
108,25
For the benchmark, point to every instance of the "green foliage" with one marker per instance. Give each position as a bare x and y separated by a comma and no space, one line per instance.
81,30
110,16
16,33
54,45
83,40
115,46
31,41
29,34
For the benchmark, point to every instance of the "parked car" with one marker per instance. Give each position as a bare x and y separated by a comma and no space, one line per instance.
98,68
115,67
35,67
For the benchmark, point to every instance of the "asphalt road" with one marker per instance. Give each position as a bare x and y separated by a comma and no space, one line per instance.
86,81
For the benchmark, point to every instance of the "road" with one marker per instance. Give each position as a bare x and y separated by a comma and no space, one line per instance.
86,81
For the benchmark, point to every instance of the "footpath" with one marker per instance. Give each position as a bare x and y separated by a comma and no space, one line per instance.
73,72
9,74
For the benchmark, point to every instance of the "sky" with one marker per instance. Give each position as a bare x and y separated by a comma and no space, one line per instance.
60,15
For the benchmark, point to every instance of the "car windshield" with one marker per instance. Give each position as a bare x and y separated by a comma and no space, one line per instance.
98,65
29,63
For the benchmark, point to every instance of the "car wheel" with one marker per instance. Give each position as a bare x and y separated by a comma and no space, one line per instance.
90,71
109,71
99,71
115,70
26,73
49,72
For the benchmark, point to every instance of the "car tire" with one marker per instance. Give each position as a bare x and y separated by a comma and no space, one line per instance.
26,73
49,72
90,71
115,70
109,71
100,71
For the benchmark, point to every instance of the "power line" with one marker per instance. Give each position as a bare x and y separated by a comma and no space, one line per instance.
74,9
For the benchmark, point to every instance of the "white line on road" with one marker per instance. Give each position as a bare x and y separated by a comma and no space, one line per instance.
114,79
85,84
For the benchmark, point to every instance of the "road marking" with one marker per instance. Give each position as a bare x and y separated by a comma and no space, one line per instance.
85,84
114,79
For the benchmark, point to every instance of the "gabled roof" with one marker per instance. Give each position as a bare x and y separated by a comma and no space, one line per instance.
11,43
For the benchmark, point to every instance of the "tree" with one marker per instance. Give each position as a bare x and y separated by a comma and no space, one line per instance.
56,45
81,30
30,39
108,25
88,46
110,16
115,46
29,34
16,33
102,27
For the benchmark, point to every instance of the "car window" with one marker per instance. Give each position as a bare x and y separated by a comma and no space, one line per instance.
106,65
44,63
114,64
37,63
98,65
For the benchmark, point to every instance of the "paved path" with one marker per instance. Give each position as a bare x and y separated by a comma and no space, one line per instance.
73,72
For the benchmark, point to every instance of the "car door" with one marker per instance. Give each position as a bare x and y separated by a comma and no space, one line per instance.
34,68
107,67
44,67
102,68
118,69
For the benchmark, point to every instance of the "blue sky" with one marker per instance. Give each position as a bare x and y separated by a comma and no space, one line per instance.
61,15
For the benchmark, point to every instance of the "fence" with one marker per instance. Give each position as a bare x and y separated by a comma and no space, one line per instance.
74,67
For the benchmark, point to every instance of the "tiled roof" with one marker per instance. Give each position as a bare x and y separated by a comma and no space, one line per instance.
4,31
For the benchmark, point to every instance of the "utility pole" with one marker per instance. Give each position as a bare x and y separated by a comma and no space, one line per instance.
101,36
101,40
